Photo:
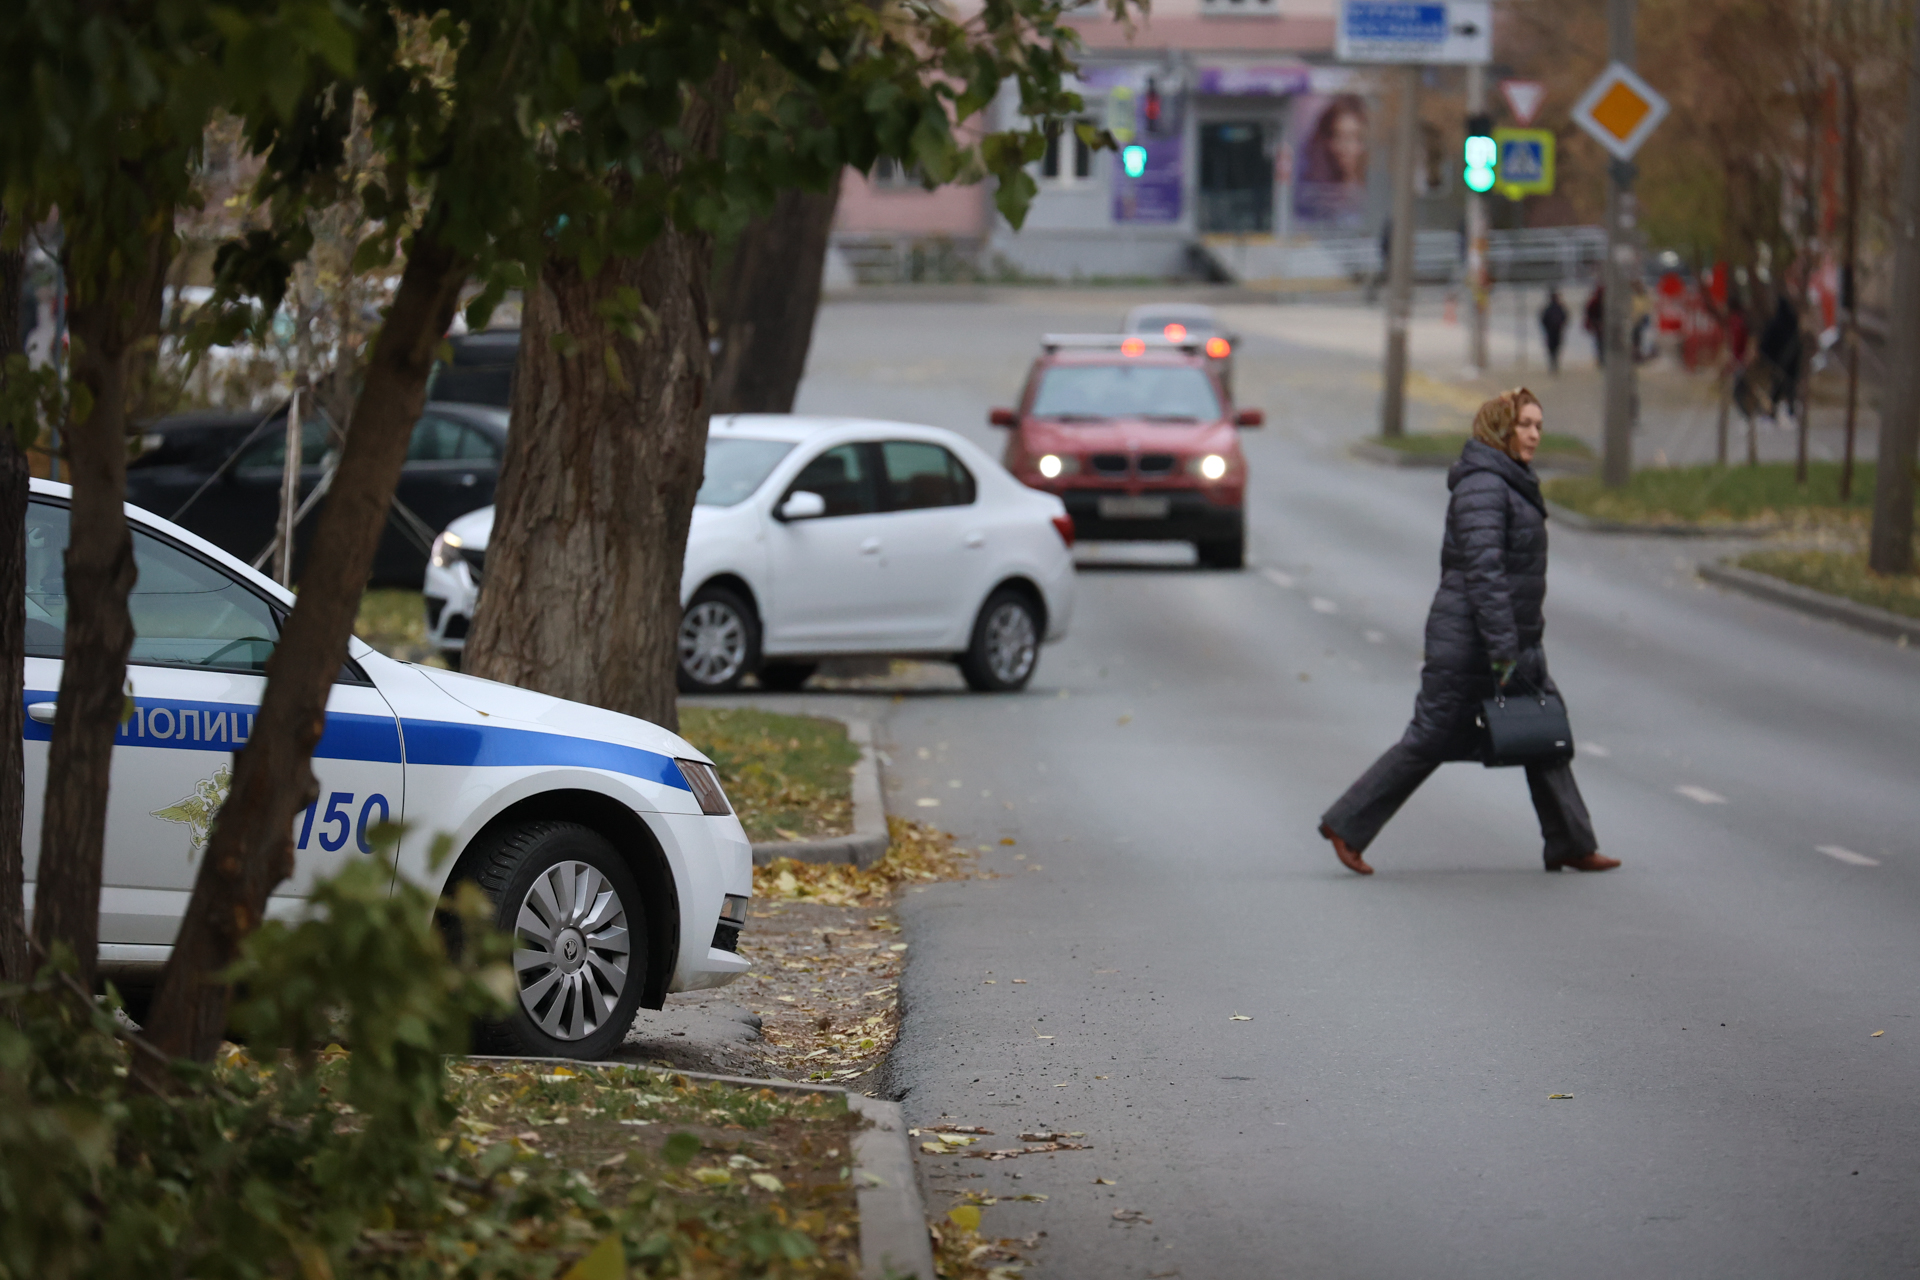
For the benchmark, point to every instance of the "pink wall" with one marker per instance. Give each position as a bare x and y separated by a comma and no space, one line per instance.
869,210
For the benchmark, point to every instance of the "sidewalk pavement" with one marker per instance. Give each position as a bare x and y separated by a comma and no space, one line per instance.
1679,411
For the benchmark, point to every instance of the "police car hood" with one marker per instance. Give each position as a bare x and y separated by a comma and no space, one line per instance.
525,708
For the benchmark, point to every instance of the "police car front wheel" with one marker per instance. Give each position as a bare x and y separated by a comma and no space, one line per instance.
579,937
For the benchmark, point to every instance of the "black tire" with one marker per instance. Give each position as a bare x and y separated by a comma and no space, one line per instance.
719,641
1222,553
1005,647
785,677
581,1003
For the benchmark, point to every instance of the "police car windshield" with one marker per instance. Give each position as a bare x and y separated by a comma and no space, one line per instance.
735,468
1126,391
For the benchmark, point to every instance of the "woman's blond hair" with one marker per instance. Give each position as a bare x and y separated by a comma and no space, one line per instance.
1494,424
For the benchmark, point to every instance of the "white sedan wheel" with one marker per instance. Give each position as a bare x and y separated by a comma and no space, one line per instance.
713,643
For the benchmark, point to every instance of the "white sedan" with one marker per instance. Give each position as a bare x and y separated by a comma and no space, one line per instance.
820,537
605,842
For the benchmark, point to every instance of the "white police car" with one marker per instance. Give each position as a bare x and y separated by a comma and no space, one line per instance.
606,842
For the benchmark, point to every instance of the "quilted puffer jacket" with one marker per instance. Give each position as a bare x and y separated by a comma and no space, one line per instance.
1493,580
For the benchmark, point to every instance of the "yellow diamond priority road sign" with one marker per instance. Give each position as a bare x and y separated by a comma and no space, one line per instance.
1619,110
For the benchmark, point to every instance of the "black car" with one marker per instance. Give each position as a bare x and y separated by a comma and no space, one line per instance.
452,467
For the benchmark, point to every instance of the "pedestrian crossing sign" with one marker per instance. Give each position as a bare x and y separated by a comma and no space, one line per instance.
1526,162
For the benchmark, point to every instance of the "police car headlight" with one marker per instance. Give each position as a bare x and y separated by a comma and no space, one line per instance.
705,784
446,551
1212,467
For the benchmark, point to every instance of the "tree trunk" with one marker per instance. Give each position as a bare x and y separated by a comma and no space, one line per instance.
766,300
582,596
113,319
1890,549
13,516
251,849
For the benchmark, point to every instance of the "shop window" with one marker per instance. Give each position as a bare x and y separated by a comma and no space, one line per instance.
889,174
1068,159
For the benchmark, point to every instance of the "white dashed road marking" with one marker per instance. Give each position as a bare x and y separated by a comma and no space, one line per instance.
1375,637
1701,795
1594,749
1847,856
1323,605
1278,578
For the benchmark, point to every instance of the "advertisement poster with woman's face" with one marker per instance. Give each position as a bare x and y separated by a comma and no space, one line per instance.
1329,135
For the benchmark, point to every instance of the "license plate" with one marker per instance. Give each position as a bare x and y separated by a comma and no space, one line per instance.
1134,508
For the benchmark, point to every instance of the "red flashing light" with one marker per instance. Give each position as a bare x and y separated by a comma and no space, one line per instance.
1219,348
1175,332
1133,347
1063,525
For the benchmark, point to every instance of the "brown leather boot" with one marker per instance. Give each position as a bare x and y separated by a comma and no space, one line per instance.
1348,858
1586,862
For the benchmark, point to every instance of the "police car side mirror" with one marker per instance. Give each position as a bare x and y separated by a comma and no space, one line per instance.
1002,418
801,505
1249,418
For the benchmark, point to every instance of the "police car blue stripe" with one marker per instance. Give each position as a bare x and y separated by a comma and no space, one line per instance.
483,746
225,726
182,725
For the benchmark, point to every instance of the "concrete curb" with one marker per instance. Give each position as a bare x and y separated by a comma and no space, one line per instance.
1373,451
894,1243
1587,524
1818,604
868,843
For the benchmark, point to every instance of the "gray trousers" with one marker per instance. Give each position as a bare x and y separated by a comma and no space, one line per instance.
1357,816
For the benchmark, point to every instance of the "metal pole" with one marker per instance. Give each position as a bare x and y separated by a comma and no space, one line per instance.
1623,263
1890,549
1477,237
289,495
1393,404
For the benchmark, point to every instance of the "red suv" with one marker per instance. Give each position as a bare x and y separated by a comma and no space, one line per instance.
1136,435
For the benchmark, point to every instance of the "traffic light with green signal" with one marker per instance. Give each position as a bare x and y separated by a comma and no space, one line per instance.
1482,154
1133,160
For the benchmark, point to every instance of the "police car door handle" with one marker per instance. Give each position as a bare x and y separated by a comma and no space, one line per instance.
871,547
41,712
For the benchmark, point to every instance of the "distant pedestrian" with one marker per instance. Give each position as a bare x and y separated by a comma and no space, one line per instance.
1553,323
1779,349
1483,631
1595,322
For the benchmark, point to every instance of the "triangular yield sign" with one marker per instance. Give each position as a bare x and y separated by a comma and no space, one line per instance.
1523,98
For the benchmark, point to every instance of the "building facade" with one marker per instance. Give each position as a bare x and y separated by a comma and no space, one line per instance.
1237,134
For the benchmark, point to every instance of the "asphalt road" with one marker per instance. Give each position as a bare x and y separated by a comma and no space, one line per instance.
1385,1111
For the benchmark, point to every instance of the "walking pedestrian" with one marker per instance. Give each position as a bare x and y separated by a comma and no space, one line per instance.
1483,631
1553,323
1595,322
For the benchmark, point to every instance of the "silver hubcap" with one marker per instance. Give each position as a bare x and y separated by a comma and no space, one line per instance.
1010,643
713,643
571,950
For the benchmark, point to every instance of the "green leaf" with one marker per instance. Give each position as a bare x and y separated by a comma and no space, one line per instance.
607,1261
679,1149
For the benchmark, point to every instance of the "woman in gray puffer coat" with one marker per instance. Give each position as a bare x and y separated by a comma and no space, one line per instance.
1483,630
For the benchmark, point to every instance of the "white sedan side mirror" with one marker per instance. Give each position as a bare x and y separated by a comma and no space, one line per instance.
801,505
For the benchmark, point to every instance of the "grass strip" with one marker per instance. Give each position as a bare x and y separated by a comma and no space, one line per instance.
1710,495
1448,444
786,775
394,621
1839,573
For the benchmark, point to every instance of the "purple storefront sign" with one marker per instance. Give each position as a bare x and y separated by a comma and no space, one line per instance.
1117,98
1255,82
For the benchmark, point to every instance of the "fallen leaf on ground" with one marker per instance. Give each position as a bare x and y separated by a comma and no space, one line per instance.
1105,1182
1049,1135
1240,1017
954,1128
1132,1216
607,1261
1559,1095
1008,839
767,1182
1877,1033
965,1216
1040,1149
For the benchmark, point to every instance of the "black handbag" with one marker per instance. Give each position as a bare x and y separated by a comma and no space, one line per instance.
1524,728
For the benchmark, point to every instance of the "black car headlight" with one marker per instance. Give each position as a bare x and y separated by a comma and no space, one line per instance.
705,784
